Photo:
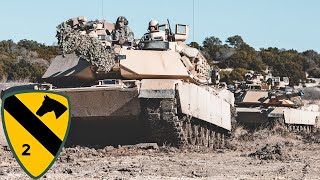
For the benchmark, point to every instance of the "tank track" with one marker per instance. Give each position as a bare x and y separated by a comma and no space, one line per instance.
292,127
167,126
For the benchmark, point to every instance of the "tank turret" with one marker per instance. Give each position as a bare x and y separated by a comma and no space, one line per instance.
90,54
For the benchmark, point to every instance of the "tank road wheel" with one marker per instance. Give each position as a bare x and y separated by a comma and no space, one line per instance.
197,134
204,136
299,128
181,133
307,128
207,137
201,136
294,127
222,140
212,139
193,134
218,141
184,133
290,127
190,139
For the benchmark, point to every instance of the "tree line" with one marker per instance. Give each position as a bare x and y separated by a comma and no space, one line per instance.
28,59
237,54
25,60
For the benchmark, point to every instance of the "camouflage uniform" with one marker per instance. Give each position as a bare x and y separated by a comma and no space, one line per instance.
122,34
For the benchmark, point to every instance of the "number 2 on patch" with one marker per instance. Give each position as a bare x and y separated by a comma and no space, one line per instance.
25,152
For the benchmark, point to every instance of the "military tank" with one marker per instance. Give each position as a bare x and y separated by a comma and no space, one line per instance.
270,108
156,89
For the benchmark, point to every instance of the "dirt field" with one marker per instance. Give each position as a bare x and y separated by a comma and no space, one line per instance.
2,136
269,156
263,154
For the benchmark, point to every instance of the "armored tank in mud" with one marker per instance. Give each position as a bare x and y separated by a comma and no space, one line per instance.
156,89
270,108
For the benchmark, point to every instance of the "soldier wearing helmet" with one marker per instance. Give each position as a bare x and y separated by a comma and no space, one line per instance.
154,33
122,32
153,26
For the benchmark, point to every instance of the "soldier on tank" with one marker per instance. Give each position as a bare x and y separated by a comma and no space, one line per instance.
122,32
153,26
154,33
82,22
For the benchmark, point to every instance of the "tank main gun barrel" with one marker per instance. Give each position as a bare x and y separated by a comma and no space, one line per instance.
283,95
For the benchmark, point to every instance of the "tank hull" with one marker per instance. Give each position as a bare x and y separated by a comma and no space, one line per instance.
290,118
161,111
272,108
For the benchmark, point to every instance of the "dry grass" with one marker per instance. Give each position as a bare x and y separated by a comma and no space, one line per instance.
245,140
279,151
4,85
313,137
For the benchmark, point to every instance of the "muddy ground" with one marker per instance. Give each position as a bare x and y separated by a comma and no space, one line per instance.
271,155
263,154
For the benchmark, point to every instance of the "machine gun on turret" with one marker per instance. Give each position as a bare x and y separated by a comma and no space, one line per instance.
170,34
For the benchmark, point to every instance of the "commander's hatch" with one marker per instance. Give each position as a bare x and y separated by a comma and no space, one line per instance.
182,32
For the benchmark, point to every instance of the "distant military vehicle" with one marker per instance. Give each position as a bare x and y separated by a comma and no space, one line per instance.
156,89
256,108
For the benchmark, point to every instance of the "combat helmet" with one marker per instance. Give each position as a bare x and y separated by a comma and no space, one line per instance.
153,23
122,19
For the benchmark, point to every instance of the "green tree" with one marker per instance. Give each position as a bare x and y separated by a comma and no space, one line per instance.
195,45
294,71
212,46
224,76
45,52
245,56
235,41
314,72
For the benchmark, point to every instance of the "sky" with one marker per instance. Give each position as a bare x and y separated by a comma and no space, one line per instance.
289,24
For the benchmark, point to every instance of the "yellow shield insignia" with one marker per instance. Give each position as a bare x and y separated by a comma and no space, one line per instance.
36,124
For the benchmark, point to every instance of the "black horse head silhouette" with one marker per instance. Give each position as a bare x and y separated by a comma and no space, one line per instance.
49,105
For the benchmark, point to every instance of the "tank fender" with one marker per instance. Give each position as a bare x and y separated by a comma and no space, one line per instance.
227,96
195,101
201,103
297,116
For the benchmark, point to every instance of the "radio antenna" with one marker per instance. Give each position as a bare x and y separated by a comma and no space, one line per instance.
102,9
193,22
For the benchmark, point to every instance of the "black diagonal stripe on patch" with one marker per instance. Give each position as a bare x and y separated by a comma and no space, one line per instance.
32,124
